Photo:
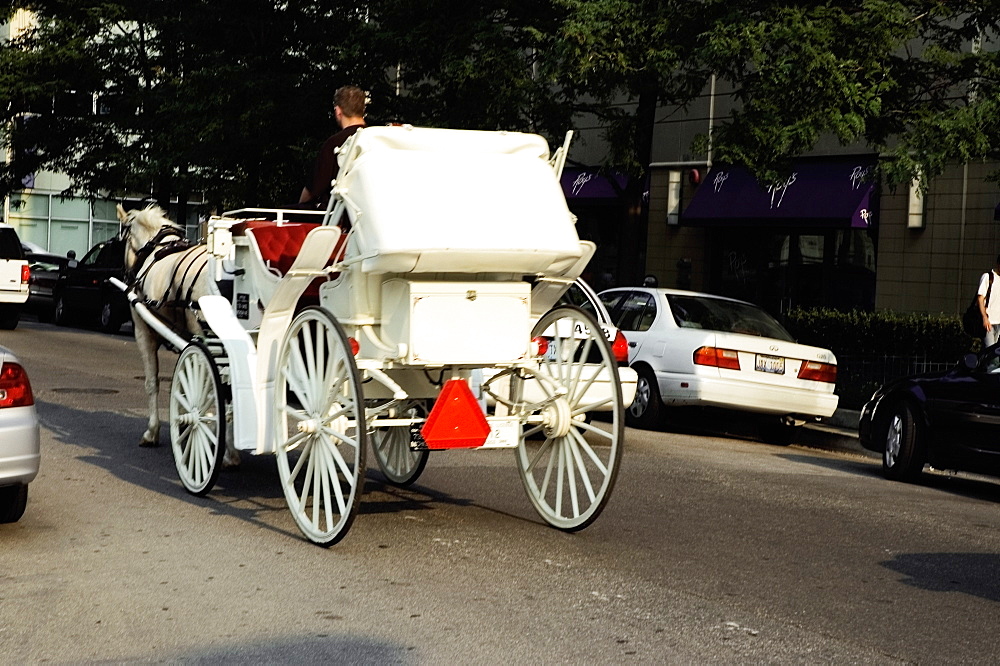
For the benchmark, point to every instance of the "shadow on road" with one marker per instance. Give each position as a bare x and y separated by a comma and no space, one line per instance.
251,493
857,467
976,574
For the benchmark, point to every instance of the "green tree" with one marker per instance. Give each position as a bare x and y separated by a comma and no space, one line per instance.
229,98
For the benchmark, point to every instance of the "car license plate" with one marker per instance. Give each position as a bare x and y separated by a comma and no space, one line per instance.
772,364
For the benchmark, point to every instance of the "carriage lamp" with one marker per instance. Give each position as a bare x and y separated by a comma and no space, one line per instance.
539,346
355,346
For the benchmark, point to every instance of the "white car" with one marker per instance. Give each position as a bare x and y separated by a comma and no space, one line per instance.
695,349
19,440
14,274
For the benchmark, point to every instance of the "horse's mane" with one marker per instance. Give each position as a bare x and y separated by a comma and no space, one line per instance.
150,218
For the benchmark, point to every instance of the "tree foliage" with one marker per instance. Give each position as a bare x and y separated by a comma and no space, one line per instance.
232,97
225,97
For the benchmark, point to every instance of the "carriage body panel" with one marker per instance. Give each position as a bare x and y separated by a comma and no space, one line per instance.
456,323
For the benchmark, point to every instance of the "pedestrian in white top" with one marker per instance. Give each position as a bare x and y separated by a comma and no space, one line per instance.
991,309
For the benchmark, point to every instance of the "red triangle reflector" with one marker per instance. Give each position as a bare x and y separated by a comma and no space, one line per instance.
456,421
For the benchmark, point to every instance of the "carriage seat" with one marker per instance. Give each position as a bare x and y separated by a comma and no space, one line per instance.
273,248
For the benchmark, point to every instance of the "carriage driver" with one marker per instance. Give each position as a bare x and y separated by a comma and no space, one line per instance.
349,108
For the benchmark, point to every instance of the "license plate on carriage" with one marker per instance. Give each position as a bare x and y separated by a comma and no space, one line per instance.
504,433
772,364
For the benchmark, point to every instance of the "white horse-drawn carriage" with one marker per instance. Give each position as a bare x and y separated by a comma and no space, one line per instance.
428,325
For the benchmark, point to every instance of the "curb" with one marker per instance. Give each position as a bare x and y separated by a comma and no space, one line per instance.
837,433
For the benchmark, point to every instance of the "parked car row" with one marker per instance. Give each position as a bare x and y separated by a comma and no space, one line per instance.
68,291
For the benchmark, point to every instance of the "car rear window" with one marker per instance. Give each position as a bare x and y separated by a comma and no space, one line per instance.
716,314
10,246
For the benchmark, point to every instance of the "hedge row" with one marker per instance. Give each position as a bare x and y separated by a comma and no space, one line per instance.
881,333
874,347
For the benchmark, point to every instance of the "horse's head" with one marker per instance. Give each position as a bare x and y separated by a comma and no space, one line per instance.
139,227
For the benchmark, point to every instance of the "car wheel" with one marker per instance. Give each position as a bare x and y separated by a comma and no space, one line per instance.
110,320
646,410
9,317
777,431
903,452
13,500
60,313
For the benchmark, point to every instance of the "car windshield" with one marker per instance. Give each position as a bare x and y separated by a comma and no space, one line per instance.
717,314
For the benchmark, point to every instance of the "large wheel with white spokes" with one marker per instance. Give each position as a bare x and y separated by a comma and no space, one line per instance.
568,465
320,430
399,463
197,419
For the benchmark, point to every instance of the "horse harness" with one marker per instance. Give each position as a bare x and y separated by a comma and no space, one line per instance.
169,240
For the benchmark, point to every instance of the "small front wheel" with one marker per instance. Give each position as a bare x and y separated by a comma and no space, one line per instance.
321,436
568,465
400,464
197,419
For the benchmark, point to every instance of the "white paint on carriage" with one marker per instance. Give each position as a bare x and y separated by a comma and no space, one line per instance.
428,200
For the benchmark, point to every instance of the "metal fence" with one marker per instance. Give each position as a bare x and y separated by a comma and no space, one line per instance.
859,375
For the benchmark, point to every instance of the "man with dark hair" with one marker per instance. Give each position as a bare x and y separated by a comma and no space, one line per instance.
349,109
989,305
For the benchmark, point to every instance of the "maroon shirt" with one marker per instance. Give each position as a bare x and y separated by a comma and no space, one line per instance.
326,167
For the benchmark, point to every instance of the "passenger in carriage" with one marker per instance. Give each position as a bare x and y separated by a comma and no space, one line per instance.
349,108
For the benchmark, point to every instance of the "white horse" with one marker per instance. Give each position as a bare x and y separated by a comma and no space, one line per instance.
169,274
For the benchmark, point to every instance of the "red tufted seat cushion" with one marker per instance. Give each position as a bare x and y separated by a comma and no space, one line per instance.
280,244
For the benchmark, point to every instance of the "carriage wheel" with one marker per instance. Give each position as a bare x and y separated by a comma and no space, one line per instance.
319,416
568,465
400,465
197,419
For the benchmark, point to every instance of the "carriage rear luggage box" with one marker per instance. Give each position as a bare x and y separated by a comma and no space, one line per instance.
457,323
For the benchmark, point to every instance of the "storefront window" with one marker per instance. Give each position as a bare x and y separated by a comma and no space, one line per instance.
782,268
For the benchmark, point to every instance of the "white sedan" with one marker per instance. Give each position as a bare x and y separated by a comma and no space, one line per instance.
19,442
695,349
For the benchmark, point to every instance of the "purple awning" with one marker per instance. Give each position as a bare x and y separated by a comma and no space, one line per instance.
590,183
834,192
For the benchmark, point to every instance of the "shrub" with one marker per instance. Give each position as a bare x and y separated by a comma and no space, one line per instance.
872,347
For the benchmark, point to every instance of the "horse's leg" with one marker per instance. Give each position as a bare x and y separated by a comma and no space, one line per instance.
231,459
148,343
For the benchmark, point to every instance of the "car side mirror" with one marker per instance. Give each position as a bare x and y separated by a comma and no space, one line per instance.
72,263
969,361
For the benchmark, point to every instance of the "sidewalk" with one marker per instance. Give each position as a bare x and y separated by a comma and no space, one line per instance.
837,433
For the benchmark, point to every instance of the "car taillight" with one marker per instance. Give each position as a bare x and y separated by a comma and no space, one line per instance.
818,372
25,274
717,358
15,389
619,348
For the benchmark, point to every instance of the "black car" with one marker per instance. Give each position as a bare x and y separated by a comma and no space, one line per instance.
84,294
45,271
950,420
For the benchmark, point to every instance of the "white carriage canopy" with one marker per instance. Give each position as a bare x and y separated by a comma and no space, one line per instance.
434,200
